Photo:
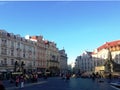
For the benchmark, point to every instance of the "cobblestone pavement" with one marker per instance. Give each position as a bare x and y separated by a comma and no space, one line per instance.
56,83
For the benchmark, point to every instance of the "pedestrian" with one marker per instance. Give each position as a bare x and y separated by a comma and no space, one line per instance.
2,86
45,76
17,81
67,76
93,76
21,81
110,76
36,77
63,76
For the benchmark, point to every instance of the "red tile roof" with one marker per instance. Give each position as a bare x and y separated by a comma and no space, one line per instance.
34,37
109,44
93,53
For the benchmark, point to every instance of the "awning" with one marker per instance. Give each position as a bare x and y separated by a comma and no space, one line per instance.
17,73
3,70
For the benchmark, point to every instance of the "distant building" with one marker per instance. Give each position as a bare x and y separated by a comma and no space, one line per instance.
53,56
84,62
105,51
29,54
47,55
77,64
114,48
98,60
40,52
16,53
63,61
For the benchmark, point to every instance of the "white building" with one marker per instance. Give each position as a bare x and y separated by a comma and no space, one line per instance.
63,61
84,62
101,54
29,54
16,49
88,61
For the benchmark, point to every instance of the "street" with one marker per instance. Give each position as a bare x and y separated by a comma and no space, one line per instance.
56,83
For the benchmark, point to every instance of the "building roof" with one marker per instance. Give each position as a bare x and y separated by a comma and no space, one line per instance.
89,53
109,44
33,37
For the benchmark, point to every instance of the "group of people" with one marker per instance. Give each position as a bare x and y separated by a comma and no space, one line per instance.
65,76
96,75
21,79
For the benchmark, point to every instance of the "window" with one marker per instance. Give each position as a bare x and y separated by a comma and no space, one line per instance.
4,42
5,61
12,52
12,61
24,55
18,44
2,62
12,44
4,51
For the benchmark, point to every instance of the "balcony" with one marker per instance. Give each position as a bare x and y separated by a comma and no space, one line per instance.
3,65
3,45
3,53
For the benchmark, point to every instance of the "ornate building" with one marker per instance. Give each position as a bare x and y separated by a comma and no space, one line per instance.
17,53
105,58
29,54
52,57
40,52
112,60
84,62
47,55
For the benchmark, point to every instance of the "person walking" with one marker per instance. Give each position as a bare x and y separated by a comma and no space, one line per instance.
93,76
17,81
21,81
67,76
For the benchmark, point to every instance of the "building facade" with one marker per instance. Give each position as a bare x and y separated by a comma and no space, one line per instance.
47,55
52,57
40,52
103,52
63,61
84,62
29,54
17,53
96,60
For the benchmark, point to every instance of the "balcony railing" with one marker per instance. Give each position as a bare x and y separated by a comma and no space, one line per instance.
3,65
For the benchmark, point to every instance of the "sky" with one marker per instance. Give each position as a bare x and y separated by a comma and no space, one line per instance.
76,26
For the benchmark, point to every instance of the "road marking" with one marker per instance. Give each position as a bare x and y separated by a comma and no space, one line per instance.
115,87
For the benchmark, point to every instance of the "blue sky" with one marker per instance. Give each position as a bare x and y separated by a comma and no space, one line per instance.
76,26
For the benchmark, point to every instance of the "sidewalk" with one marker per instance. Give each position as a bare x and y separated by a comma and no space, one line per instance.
26,85
11,86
